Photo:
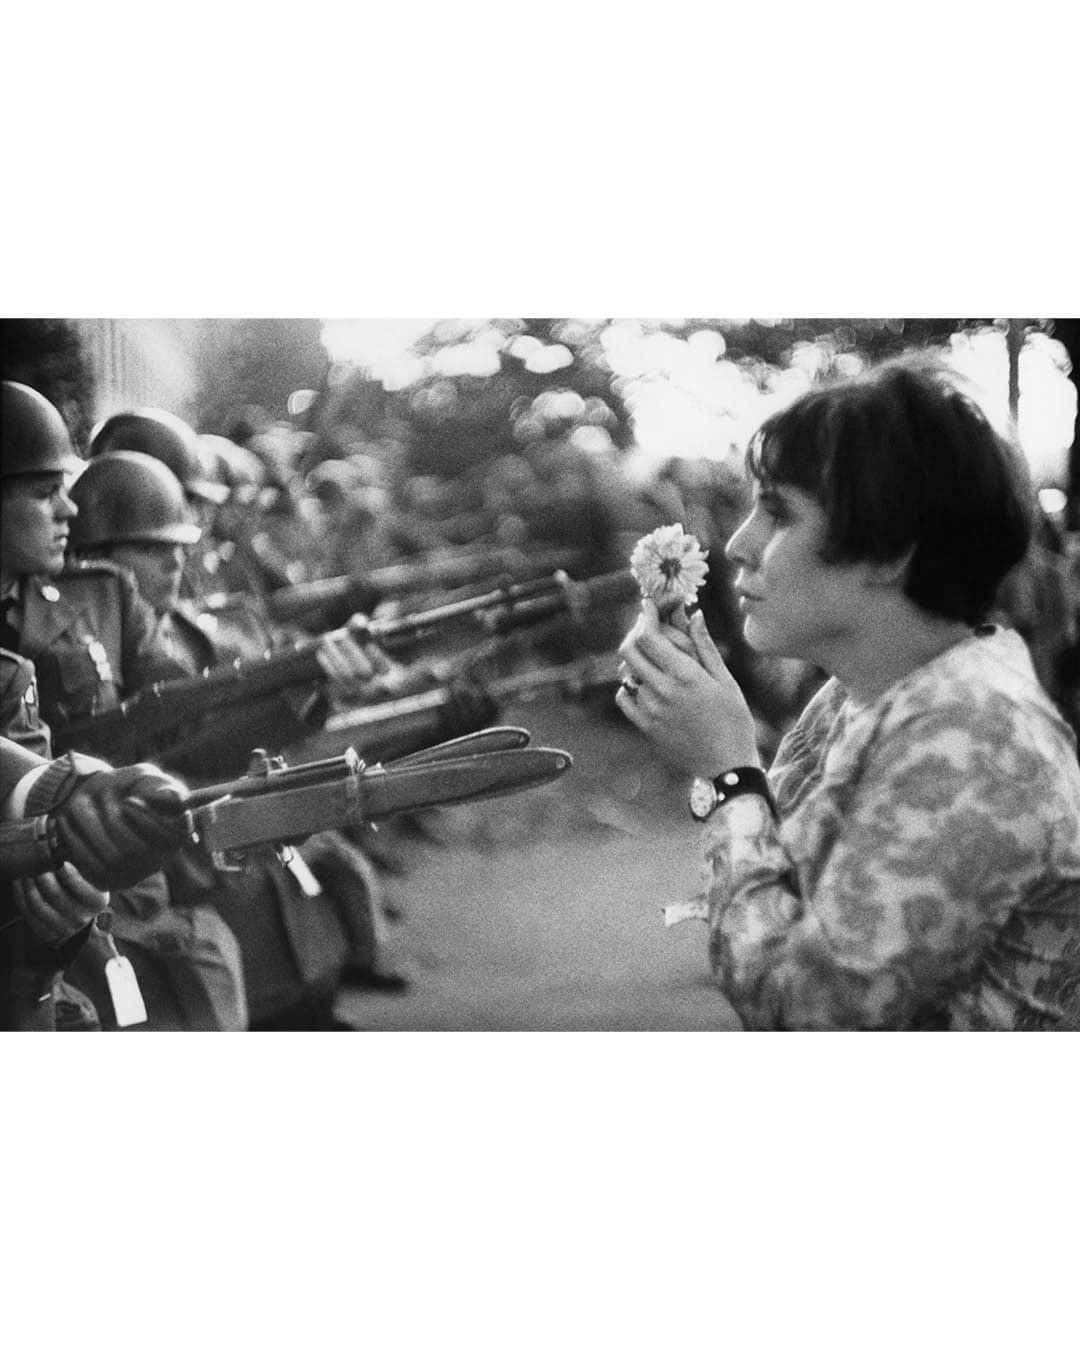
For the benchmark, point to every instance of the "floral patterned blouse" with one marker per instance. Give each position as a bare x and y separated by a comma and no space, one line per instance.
925,872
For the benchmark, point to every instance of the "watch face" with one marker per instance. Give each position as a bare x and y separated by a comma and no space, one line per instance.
702,798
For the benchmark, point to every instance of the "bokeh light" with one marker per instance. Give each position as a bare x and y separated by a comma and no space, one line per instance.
686,397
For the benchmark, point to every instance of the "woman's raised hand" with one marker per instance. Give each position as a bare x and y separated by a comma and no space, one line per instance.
678,691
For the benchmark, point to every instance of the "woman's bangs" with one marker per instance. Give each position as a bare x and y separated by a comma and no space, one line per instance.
783,450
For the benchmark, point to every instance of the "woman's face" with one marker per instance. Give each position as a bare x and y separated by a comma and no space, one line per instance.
793,604
157,569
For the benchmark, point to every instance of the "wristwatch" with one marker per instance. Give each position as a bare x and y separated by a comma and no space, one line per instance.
706,794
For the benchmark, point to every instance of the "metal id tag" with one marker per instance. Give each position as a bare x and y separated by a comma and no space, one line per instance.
127,999
305,877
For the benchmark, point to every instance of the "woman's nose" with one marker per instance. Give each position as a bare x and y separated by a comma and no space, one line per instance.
65,507
739,548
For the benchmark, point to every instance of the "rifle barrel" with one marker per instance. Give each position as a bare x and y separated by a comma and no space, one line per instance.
295,776
513,604
568,675
448,569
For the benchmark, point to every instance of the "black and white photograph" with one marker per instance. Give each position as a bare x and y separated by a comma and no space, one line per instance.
541,674
652,738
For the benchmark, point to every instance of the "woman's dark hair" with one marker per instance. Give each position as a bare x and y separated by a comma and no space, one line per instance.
901,460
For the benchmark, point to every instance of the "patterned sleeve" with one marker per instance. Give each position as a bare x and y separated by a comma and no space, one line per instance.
881,893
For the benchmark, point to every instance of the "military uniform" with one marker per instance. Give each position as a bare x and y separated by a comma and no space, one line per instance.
91,639
35,995
20,708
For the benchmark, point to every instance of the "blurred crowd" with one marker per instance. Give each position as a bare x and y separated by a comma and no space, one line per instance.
282,558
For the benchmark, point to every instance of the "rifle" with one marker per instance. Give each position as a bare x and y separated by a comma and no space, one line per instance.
275,804
443,570
139,724
383,728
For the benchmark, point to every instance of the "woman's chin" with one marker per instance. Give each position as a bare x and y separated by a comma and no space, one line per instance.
754,637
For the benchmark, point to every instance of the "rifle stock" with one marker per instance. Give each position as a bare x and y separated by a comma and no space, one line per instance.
277,804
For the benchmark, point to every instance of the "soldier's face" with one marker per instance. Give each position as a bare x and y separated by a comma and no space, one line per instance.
157,569
35,516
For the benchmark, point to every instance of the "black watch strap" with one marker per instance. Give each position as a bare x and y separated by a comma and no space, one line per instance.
707,794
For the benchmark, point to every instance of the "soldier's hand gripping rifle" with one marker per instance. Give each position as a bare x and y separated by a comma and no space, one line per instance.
142,724
276,804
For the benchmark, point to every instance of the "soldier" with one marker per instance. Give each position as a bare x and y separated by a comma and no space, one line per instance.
227,560
350,514
132,510
91,639
168,438
45,920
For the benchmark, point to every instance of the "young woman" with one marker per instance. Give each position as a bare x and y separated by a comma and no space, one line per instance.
912,858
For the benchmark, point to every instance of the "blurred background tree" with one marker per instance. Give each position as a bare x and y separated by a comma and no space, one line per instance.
446,398
479,389
469,391
48,354
1067,332
254,365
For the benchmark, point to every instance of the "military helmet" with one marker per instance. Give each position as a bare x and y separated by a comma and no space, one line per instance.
239,469
152,431
33,435
125,497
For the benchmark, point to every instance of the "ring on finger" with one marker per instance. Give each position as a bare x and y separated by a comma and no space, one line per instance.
630,686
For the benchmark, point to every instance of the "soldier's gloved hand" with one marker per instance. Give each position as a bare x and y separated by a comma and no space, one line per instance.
354,665
471,708
117,825
57,905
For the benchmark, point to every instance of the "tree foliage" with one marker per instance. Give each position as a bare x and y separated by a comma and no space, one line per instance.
47,354
246,364
491,387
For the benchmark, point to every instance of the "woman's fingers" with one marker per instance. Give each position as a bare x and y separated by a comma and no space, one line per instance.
706,649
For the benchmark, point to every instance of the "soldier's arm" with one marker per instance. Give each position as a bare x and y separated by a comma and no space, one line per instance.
114,825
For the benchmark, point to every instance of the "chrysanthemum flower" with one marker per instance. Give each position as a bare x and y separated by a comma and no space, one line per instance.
669,567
